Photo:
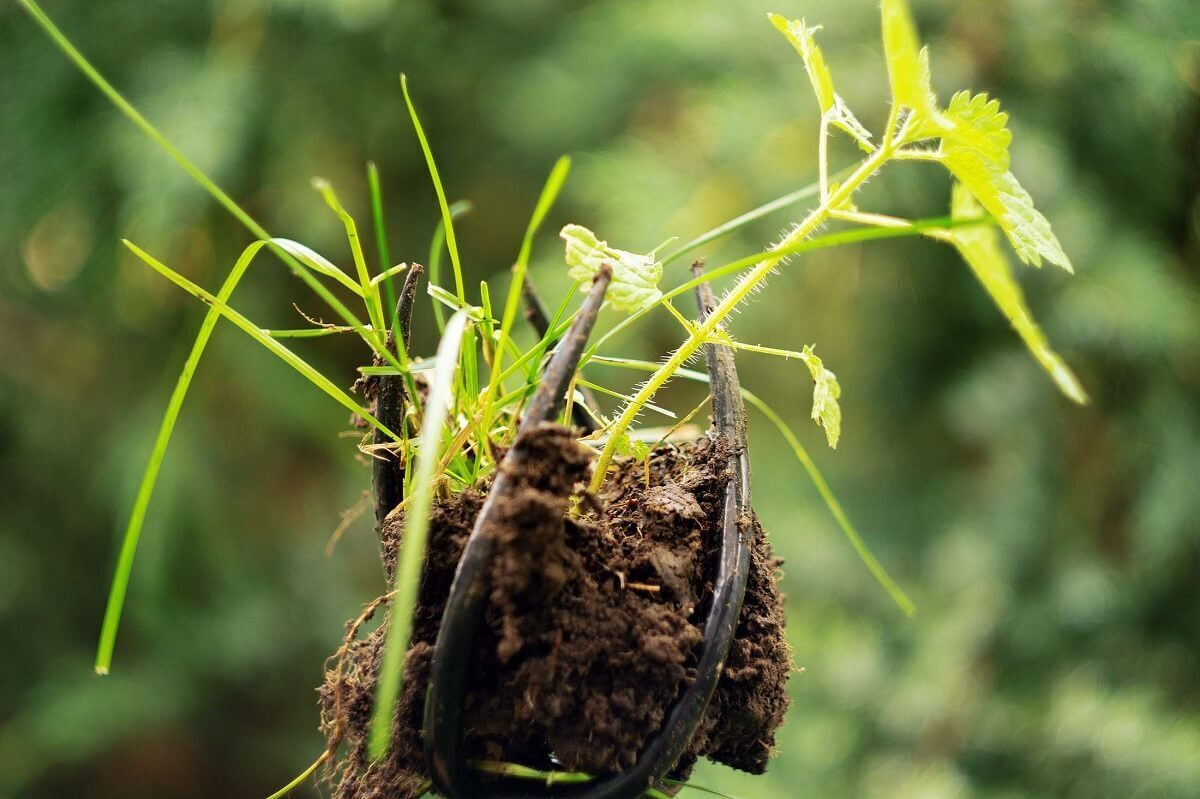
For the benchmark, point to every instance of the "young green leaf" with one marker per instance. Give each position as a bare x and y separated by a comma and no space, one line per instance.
802,38
979,246
833,107
825,409
635,277
975,150
908,65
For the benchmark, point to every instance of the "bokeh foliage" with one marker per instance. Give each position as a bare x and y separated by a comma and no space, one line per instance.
1053,551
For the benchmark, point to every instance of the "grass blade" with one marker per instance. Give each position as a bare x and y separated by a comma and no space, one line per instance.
258,334
436,245
369,292
416,529
447,217
318,263
554,184
835,508
381,242
125,107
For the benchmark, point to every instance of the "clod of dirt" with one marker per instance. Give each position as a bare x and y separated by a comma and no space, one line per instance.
591,628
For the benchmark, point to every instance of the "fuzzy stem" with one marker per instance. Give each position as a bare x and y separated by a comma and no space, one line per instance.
740,291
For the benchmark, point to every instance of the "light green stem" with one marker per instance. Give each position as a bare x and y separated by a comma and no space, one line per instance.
740,291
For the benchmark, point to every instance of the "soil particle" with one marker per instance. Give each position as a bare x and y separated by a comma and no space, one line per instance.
591,628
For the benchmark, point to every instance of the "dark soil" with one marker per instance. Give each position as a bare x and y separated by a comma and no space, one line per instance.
590,631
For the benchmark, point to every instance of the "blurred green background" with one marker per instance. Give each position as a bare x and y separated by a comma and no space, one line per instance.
1054,551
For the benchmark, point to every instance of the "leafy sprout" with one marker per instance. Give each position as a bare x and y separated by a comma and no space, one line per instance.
481,378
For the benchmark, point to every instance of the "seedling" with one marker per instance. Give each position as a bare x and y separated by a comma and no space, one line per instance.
473,438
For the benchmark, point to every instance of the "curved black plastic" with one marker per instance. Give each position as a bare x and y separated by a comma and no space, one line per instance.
445,754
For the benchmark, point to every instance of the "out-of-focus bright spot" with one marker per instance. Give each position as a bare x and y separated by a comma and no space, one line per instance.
57,247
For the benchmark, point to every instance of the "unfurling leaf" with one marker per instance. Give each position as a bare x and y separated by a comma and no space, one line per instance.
907,63
833,107
801,37
975,150
825,410
979,246
635,277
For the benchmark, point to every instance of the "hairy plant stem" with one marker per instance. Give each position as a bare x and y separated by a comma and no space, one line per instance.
836,199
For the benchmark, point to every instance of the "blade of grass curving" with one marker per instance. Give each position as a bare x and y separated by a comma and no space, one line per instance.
318,263
436,245
416,529
831,502
119,587
370,291
447,219
125,107
129,543
381,242
873,565
259,335
301,777
554,184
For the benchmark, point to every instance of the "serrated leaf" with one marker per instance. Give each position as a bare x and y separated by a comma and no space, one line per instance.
826,391
908,65
980,247
975,149
635,277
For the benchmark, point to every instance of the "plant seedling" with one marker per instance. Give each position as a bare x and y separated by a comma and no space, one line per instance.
530,603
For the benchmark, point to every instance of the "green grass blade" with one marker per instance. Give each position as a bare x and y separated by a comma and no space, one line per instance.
550,191
133,530
258,334
370,292
381,242
447,218
125,107
818,480
416,529
318,263
835,508
436,245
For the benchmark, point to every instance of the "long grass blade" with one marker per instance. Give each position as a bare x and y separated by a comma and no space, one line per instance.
369,292
447,218
416,530
258,334
125,107
381,240
554,184
436,245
